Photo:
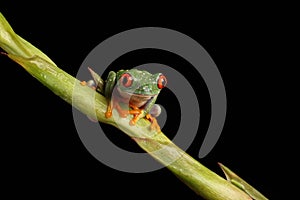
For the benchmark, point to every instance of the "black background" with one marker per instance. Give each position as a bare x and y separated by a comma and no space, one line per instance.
43,155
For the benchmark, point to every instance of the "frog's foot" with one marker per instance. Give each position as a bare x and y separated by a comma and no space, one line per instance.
135,118
90,83
123,113
137,114
108,112
83,83
154,124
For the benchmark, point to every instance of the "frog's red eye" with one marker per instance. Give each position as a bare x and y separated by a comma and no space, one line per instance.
126,80
161,82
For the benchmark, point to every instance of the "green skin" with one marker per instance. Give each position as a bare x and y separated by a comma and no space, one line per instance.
142,92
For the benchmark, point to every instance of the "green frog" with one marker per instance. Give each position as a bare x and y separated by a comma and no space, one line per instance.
136,88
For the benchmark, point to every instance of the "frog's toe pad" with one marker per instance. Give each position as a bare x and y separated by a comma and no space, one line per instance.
83,83
90,83
132,123
108,114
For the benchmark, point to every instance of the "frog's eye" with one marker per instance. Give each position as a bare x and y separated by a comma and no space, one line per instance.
161,82
126,80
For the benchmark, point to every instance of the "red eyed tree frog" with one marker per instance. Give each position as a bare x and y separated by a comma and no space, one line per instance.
136,88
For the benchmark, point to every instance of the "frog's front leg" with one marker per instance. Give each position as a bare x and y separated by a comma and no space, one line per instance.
137,114
108,93
109,109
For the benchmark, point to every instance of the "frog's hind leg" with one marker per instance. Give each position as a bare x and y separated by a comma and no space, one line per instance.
154,124
97,83
122,113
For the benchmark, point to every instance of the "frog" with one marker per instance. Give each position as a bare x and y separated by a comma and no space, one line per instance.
138,89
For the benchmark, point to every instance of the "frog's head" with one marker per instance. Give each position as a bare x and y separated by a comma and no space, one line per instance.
140,83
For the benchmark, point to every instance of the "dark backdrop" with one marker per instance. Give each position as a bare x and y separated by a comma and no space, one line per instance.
43,155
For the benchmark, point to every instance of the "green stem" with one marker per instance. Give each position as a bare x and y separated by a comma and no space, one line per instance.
200,179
